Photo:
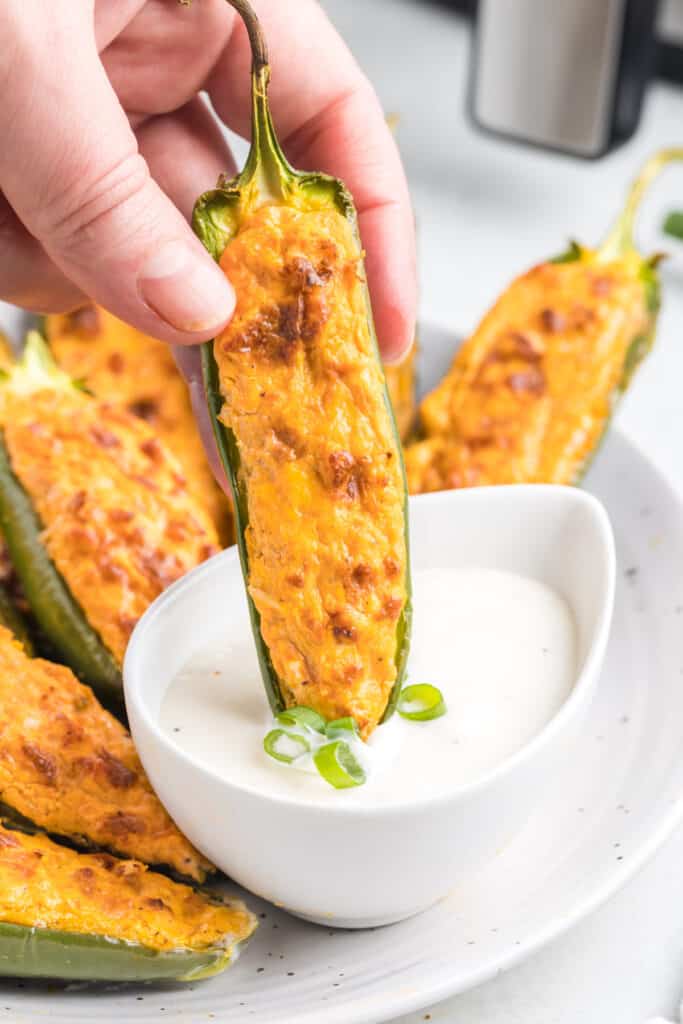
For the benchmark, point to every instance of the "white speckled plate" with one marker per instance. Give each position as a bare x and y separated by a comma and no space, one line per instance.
603,816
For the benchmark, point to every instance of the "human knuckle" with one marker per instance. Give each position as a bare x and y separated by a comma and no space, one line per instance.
83,206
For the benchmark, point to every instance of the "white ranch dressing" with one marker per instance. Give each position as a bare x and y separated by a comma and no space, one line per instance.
500,647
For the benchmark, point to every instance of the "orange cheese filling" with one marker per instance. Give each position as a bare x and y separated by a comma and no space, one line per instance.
530,393
119,523
46,885
304,396
122,365
71,768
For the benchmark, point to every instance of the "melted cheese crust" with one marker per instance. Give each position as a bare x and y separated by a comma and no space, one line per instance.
304,396
48,886
119,523
122,365
529,394
71,768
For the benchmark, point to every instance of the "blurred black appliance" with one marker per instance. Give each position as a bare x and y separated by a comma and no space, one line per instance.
569,75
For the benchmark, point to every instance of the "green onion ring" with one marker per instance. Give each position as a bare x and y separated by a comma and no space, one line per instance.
275,738
338,765
301,715
673,224
421,703
342,727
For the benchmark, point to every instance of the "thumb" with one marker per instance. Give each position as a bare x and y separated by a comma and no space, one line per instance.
76,180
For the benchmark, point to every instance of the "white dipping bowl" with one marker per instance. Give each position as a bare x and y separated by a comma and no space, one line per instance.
354,866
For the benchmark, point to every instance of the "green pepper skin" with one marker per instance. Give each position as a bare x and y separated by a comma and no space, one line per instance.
618,243
673,225
57,613
229,456
31,952
216,220
59,617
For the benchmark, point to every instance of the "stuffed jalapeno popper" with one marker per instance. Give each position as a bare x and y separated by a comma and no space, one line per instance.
95,513
306,433
123,366
69,767
93,917
530,394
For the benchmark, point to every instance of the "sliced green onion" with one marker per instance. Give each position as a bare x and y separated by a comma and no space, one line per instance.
301,715
673,224
285,746
421,703
338,765
342,727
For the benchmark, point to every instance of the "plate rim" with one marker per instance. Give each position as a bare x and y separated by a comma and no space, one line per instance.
620,876
393,1002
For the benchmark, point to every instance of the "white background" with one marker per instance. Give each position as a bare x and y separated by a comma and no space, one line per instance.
485,211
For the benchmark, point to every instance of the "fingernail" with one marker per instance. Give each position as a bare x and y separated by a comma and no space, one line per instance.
395,356
188,292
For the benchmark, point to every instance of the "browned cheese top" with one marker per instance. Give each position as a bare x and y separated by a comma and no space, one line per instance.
71,768
304,396
49,886
119,523
122,365
529,394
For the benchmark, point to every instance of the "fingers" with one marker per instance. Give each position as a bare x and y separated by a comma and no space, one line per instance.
111,19
28,278
186,152
93,213
351,140
79,185
392,277
161,59
333,122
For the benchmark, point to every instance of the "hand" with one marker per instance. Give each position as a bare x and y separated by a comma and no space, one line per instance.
107,143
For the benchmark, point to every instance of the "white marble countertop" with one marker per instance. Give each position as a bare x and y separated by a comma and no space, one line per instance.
485,211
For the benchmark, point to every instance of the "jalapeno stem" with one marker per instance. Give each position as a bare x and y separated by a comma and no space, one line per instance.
267,174
36,369
620,239
259,47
